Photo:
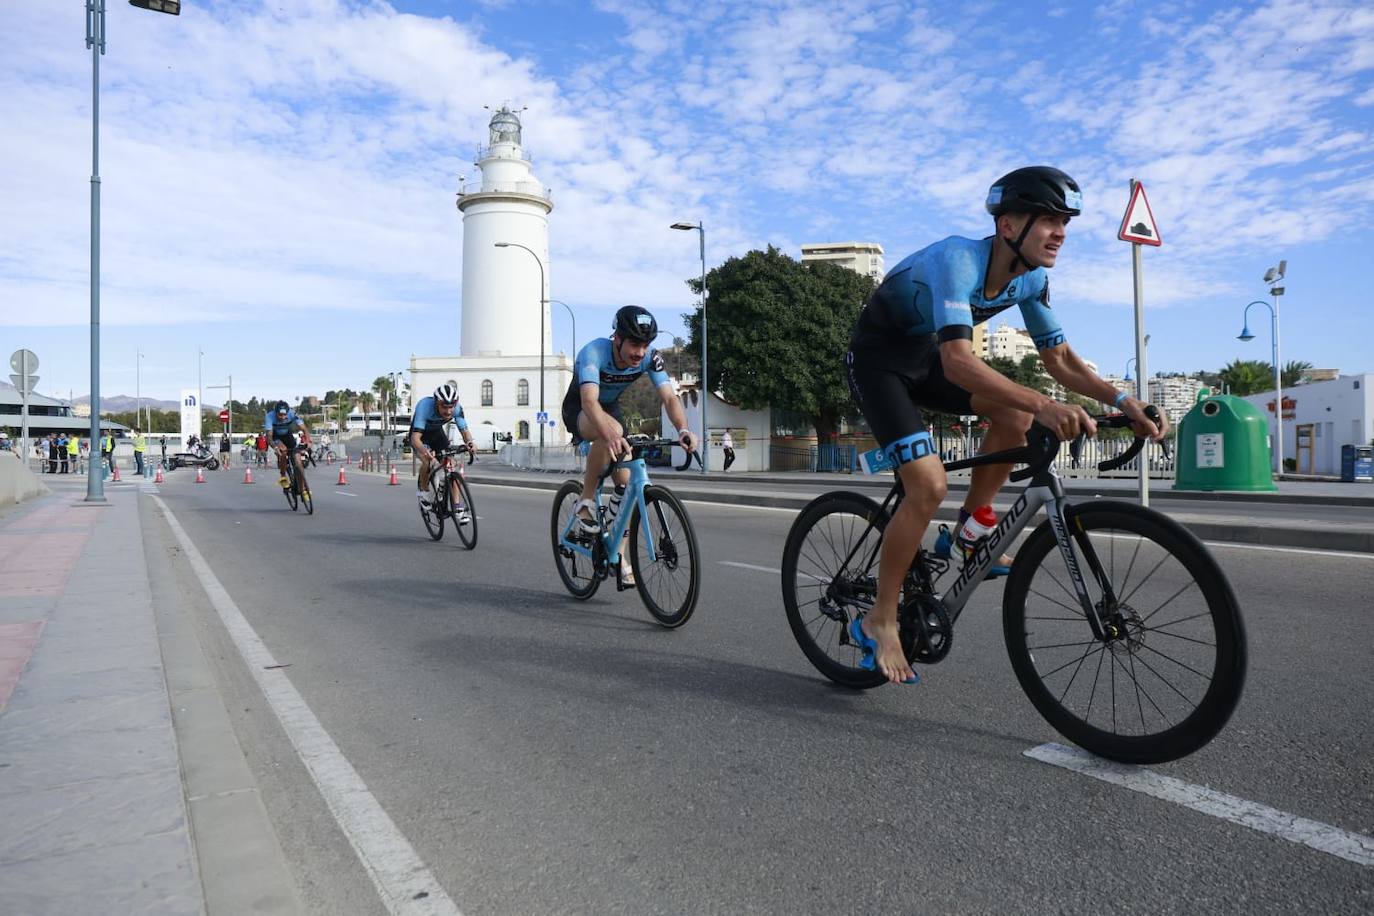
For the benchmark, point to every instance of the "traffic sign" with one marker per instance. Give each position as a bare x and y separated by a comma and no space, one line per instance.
24,383
224,416
541,416
1138,225
23,361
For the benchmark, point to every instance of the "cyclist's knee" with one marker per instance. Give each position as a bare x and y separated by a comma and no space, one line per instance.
925,485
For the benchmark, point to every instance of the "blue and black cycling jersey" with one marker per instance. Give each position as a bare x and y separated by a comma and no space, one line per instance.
596,366
426,418
939,291
276,428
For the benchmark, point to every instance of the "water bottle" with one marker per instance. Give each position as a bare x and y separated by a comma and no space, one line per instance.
977,526
613,508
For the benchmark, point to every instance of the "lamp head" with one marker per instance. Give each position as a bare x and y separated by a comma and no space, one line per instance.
503,244
1245,334
683,225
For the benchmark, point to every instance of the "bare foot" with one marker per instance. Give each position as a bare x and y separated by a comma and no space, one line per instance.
889,658
1005,560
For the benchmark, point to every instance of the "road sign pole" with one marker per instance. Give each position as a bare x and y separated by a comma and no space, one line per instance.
24,406
1142,389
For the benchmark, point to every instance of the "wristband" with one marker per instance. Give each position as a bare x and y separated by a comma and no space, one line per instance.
1121,397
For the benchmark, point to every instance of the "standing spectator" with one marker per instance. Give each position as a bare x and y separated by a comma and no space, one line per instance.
62,454
53,457
262,449
107,450
727,442
140,446
225,449
74,453
162,441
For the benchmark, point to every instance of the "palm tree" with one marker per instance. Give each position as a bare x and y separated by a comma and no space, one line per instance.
341,410
365,402
1293,371
1247,376
385,389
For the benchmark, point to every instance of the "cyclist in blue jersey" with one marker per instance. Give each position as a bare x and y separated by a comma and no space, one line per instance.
427,434
591,412
911,348
280,425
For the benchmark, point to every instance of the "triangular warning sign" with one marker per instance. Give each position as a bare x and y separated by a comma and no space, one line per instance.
1139,223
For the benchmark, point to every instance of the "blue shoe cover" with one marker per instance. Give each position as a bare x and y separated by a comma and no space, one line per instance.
870,649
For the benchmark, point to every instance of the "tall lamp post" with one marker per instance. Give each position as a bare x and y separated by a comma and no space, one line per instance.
95,40
542,302
573,319
1127,377
229,406
705,392
1278,378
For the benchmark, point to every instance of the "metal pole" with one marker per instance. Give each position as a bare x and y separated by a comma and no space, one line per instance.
138,387
1142,371
543,304
705,389
95,40
24,406
231,411
1278,393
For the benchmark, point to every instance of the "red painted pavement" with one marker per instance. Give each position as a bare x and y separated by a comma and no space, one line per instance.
17,641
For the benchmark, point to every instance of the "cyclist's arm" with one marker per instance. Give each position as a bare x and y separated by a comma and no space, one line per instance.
601,421
1068,369
417,446
969,372
676,414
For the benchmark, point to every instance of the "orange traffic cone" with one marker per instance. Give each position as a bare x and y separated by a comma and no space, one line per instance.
158,478
343,482
247,475
116,474
200,475
393,482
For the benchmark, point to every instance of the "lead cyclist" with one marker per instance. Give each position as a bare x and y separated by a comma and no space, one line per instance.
911,348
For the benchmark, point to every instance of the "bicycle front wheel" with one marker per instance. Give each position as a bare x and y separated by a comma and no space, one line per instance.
1167,672
433,514
822,593
305,496
670,584
461,495
292,499
578,572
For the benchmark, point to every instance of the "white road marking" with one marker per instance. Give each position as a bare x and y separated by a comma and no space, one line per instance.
767,569
1341,554
404,882
342,493
1352,847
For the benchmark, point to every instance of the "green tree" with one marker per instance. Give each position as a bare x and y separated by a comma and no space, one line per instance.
778,333
1293,371
365,402
339,411
1247,376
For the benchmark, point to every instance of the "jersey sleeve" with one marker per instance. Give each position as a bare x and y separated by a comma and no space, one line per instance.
658,373
423,412
952,277
589,360
267,422
1041,323
461,420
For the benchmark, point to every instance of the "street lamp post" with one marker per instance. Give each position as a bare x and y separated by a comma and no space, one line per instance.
230,405
703,387
573,319
1278,377
543,301
1127,377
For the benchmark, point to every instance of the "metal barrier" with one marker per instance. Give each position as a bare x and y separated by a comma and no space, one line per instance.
842,459
559,459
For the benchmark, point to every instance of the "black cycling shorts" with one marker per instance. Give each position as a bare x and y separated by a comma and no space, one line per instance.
287,439
434,440
890,392
572,409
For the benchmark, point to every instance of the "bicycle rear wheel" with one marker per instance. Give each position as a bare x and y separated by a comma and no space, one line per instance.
578,572
820,596
466,528
433,514
670,584
1168,674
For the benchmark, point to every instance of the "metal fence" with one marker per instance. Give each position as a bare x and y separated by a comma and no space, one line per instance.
842,459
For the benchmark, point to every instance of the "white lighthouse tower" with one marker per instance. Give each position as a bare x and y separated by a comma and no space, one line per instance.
505,289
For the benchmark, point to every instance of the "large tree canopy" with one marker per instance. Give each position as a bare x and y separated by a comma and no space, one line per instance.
778,331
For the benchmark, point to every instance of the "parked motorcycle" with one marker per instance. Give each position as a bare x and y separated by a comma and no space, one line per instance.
199,456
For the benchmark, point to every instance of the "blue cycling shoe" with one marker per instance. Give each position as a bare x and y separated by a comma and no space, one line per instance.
870,649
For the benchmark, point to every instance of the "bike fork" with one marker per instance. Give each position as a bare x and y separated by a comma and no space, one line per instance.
1067,534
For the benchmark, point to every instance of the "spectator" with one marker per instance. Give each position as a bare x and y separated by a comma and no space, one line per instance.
262,449
86,454
4,441
74,453
52,453
107,450
162,441
727,443
62,462
225,449
140,446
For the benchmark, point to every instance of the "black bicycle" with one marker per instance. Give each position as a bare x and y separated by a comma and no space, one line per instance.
450,497
297,489
1120,626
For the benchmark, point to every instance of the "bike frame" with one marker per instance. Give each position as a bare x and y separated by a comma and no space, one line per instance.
639,479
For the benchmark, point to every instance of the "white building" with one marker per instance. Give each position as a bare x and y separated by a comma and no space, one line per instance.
505,290
1008,342
861,257
1320,418
1175,395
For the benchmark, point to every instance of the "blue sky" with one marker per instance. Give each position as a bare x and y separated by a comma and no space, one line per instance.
278,179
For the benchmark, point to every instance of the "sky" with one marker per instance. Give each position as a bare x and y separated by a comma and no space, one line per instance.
278,179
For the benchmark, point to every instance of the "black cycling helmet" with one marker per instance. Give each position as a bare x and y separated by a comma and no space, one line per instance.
282,407
1035,189
633,322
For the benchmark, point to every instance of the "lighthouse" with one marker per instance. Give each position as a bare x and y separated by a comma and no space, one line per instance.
504,290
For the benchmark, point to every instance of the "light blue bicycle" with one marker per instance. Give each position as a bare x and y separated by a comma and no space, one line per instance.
662,545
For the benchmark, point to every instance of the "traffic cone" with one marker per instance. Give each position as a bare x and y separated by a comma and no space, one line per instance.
393,482
158,478
200,475
247,475
343,482
116,474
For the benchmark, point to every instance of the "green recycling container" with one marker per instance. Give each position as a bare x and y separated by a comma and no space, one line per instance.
1223,444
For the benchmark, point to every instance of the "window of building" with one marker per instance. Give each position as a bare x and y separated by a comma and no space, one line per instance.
522,392
486,392
522,430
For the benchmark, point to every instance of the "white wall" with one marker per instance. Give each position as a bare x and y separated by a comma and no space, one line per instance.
751,447
1337,409
504,414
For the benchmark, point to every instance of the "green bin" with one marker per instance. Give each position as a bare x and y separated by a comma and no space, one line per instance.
1223,444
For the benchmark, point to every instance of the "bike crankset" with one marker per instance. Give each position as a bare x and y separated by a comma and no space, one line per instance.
925,629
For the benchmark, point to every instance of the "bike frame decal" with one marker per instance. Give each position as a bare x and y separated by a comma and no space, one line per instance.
987,554
889,457
639,479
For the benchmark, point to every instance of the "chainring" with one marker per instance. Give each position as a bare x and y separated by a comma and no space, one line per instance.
931,643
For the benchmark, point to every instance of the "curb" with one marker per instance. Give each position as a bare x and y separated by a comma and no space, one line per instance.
1265,535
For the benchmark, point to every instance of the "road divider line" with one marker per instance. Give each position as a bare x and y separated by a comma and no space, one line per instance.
403,881
342,493
767,569
1353,847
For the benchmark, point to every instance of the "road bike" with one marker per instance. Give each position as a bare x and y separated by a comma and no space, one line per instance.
663,549
450,497
1121,628
297,489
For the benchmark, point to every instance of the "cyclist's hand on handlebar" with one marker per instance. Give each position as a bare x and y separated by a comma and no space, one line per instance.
472,454
1141,423
1066,420
687,440
620,448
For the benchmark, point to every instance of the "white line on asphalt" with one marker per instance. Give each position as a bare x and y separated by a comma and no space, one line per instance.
1353,847
1339,554
402,879
342,493
767,569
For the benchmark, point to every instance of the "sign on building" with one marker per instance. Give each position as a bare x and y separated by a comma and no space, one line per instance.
190,414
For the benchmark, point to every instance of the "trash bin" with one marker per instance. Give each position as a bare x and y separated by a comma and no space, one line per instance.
1357,463
1223,444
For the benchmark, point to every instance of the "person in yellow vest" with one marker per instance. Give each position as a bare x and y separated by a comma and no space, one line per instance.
107,450
74,453
140,446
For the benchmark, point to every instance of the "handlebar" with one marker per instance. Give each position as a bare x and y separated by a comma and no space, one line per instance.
455,450
638,446
1042,446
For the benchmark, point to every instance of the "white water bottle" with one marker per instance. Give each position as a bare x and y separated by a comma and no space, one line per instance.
977,526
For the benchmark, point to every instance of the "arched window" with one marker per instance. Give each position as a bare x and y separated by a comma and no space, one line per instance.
522,392
486,392
522,431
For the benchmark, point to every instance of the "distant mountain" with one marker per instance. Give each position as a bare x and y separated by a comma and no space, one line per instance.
119,403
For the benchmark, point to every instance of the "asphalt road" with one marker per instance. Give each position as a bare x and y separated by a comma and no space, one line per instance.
548,755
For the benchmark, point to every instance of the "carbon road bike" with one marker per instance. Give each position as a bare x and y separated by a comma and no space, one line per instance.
450,498
297,489
663,549
1121,628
